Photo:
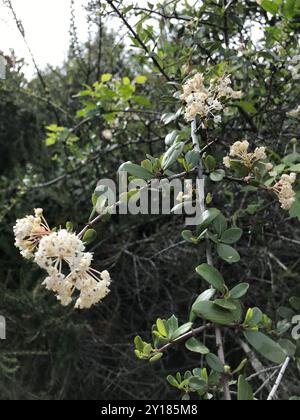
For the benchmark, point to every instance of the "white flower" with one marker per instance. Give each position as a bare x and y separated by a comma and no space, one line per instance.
227,162
107,134
63,288
239,148
260,153
269,167
66,247
59,247
62,254
29,231
284,190
206,102
93,286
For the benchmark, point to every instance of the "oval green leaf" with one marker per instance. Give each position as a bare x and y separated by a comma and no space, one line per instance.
211,312
231,236
239,291
212,276
196,346
228,254
266,346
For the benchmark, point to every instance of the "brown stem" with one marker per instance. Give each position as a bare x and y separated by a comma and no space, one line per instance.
183,338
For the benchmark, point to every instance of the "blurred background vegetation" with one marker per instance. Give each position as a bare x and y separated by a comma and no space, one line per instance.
56,353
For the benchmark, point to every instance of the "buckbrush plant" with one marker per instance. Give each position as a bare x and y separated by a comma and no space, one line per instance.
204,99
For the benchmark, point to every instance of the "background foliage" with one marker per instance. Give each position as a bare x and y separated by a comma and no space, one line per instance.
102,108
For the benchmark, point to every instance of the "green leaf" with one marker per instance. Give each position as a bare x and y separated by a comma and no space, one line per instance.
256,317
211,312
207,218
247,106
168,118
69,226
172,325
288,346
189,237
140,80
89,236
196,383
106,77
241,366
182,330
240,170
171,137
214,363
220,224
136,171
141,100
225,304
139,344
295,168
245,392
101,203
212,276
55,128
289,8
210,163
231,236
156,358
172,381
295,303
172,155
126,196
239,291
228,254
265,346
161,328
205,296
218,175
269,6
126,81
192,158
147,164
196,346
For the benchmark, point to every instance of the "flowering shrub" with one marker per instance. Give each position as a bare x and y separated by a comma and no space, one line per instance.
216,140
62,254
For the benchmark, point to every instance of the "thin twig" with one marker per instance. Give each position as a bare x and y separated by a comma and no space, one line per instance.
201,193
139,40
279,379
183,338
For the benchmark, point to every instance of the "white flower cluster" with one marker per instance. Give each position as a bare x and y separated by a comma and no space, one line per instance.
240,150
207,102
284,190
295,113
62,255
29,231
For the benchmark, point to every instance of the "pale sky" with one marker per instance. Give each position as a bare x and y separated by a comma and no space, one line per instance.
46,24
